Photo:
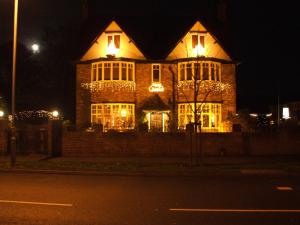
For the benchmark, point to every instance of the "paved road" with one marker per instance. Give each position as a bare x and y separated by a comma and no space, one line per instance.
86,200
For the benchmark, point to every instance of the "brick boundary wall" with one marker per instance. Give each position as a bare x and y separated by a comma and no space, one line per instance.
80,143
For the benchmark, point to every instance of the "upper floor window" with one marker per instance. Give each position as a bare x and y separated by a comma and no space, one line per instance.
156,73
113,44
107,71
199,70
198,44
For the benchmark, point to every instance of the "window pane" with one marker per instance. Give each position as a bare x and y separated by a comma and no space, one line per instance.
124,71
194,40
130,72
212,71
109,40
100,71
107,71
189,71
117,41
197,70
218,73
202,41
205,74
205,122
156,73
115,71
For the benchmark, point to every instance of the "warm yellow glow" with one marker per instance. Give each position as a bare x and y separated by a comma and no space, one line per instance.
156,87
199,50
1,113
213,118
111,49
55,113
123,112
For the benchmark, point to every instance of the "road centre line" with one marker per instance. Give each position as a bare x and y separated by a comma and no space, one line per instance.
36,203
238,210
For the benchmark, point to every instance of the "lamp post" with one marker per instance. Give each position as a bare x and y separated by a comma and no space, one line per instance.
13,103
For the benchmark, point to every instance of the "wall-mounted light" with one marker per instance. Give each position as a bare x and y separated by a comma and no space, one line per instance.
111,50
199,50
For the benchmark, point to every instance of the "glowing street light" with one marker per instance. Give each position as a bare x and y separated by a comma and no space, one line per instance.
55,114
35,48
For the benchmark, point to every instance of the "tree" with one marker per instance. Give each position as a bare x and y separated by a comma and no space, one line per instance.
197,79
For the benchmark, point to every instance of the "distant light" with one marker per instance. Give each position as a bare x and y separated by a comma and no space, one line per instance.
285,113
35,48
55,113
123,112
253,114
1,113
269,114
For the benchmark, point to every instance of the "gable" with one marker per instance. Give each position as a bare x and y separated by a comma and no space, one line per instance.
184,48
101,49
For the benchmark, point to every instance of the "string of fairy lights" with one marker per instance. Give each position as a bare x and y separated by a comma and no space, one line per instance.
112,86
204,85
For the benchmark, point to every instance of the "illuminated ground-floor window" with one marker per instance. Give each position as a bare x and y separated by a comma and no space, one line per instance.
210,116
114,116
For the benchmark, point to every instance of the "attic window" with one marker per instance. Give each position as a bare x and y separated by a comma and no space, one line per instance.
113,44
198,44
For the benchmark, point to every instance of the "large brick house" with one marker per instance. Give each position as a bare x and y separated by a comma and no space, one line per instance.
119,88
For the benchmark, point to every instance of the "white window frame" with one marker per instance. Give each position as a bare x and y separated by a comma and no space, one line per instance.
152,74
216,64
111,63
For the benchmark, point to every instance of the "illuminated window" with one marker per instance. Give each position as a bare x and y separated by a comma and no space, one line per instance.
115,116
198,39
107,71
198,44
115,39
210,116
200,70
116,71
205,71
156,76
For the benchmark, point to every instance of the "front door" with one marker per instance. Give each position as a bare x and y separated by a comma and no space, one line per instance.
156,122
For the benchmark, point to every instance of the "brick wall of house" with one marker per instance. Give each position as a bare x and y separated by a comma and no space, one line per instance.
143,82
229,95
83,98
167,144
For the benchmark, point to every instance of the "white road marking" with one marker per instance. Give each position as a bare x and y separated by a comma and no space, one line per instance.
240,210
281,188
36,203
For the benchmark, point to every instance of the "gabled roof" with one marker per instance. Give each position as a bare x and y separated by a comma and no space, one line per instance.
155,36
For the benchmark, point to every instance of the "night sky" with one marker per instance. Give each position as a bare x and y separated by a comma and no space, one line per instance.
263,38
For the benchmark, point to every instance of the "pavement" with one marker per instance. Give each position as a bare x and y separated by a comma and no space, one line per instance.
154,166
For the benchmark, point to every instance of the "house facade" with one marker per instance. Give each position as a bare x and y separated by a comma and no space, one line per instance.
118,88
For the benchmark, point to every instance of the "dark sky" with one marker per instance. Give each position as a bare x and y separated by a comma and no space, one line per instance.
264,36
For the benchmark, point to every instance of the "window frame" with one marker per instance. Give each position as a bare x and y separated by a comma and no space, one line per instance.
96,67
159,73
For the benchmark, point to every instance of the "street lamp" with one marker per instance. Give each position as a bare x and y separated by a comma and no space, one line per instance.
13,103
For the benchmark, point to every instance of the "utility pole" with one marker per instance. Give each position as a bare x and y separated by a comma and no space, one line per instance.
13,89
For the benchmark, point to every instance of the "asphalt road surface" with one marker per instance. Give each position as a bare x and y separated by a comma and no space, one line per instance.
86,200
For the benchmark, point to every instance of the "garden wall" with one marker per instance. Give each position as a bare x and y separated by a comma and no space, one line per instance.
80,143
